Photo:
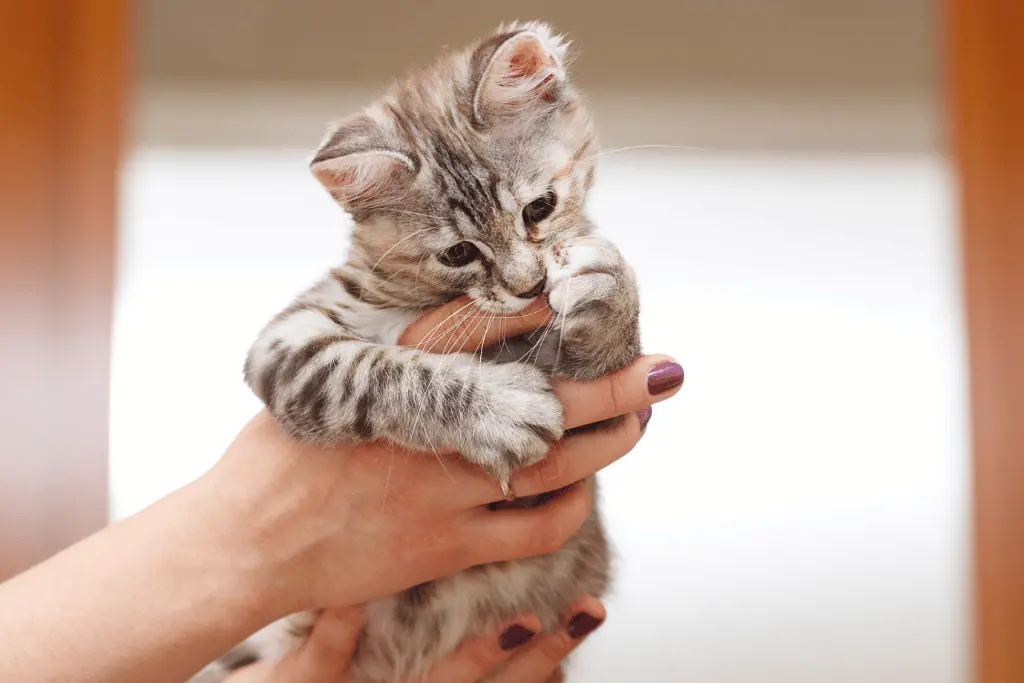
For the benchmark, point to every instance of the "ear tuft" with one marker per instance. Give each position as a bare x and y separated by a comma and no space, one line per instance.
360,166
519,68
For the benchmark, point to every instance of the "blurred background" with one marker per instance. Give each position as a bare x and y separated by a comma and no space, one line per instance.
778,174
823,200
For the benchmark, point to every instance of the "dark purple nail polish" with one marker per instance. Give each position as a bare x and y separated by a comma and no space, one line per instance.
645,417
515,636
582,624
664,377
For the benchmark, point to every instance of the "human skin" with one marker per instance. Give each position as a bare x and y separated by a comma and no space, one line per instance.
277,527
514,653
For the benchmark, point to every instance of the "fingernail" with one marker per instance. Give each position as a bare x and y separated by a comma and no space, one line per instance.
664,377
582,624
645,417
515,636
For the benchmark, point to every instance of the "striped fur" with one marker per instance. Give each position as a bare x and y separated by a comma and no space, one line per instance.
451,154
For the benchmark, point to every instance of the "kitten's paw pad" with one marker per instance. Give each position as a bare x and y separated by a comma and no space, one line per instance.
584,272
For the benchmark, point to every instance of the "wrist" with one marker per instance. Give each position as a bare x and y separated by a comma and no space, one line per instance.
265,491
238,576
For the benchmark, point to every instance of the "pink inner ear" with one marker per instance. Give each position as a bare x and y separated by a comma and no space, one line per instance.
335,177
529,58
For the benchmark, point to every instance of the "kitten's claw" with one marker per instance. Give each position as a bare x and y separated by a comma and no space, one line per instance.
506,489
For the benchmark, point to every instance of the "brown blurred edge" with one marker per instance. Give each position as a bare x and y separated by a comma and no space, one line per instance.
62,115
987,86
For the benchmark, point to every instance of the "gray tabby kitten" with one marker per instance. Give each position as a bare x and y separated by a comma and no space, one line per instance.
467,178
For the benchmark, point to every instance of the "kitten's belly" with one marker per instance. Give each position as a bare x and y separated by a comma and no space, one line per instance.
406,634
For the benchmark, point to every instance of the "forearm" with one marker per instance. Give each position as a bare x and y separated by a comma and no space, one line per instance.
152,598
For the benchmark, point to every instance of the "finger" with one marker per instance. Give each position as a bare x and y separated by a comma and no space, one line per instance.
328,651
260,672
477,657
538,662
525,532
574,458
650,379
460,325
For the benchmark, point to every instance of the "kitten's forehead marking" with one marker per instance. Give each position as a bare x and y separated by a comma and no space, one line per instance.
558,162
508,199
527,192
450,234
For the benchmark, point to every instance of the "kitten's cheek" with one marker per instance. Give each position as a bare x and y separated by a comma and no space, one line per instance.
480,298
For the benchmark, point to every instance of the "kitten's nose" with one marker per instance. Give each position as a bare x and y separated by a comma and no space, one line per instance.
536,290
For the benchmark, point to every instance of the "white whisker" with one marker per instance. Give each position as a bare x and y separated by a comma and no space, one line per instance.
395,246
632,147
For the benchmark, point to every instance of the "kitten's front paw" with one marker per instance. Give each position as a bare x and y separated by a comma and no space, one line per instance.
584,273
593,291
521,420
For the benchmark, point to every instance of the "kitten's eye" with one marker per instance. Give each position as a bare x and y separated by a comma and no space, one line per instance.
539,209
462,254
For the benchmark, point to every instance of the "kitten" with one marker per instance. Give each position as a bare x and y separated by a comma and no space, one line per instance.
467,178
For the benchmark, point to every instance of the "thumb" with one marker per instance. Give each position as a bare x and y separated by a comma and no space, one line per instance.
325,656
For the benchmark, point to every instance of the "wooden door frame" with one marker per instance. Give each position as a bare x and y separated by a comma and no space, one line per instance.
62,115
986,67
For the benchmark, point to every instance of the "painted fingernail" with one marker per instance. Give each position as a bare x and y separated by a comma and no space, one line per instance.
582,624
664,377
515,636
645,417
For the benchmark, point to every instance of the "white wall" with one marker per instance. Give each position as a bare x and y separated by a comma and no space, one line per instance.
797,514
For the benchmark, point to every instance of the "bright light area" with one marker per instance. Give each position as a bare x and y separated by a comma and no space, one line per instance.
796,515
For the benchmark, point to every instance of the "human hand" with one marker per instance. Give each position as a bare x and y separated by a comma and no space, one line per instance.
514,653
312,525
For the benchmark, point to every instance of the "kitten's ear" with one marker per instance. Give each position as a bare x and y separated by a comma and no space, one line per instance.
517,70
361,165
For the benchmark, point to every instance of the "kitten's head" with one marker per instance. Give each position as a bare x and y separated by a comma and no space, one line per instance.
465,177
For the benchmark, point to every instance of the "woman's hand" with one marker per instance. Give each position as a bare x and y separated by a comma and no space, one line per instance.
277,527
318,526
515,653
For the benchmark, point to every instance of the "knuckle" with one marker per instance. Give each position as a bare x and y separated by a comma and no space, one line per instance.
555,647
550,538
470,549
554,468
552,531
627,431
515,541
324,651
481,657
542,539
618,394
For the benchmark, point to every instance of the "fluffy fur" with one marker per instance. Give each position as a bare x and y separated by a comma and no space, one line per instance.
490,147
